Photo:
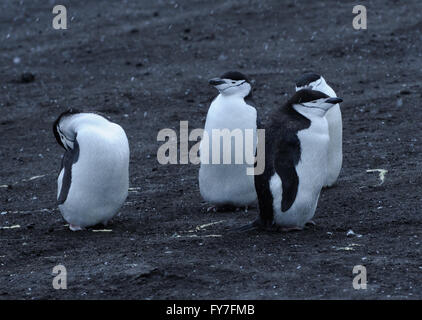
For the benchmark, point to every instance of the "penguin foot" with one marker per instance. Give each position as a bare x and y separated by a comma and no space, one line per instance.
244,209
329,186
310,223
75,228
222,208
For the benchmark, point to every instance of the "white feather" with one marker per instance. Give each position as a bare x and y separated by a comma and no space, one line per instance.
100,177
228,183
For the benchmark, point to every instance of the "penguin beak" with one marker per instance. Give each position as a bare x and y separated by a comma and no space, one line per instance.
216,81
334,100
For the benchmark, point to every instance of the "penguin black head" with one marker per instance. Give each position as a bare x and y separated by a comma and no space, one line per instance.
232,83
314,81
58,133
307,80
312,102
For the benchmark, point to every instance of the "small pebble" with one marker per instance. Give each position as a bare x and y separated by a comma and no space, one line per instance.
27,77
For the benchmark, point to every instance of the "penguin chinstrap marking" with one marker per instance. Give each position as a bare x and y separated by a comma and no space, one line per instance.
335,126
296,144
233,109
94,179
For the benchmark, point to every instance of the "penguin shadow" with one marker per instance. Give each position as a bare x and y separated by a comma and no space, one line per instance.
100,227
231,209
257,228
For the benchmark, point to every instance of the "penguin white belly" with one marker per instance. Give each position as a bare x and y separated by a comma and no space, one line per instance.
335,147
226,184
100,177
222,184
311,171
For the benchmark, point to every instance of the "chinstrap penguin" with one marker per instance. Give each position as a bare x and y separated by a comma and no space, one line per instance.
317,82
234,109
94,177
296,145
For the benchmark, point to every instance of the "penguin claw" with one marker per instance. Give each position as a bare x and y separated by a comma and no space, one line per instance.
213,209
222,208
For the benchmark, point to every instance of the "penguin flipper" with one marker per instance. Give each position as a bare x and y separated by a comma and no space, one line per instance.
265,198
288,155
70,157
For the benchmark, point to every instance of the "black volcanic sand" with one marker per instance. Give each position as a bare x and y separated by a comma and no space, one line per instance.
146,66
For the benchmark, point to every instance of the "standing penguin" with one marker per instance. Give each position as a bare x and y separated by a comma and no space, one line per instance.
94,179
296,144
315,81
229,184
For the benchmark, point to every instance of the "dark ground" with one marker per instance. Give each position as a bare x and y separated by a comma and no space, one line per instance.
146,65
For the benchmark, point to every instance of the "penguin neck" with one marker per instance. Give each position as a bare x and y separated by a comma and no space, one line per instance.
321,85
249,96
241,96
313,114
231,103
240,93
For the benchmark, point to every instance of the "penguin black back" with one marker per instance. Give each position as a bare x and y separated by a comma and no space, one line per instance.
282,154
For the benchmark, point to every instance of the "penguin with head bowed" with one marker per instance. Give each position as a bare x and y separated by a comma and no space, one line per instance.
232,114
335,127
94,178
296,145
